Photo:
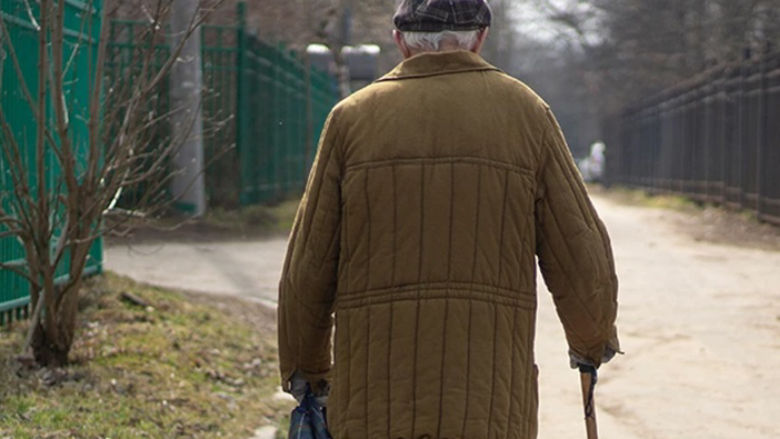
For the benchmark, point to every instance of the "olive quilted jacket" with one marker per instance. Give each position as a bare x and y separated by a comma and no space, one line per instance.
433,191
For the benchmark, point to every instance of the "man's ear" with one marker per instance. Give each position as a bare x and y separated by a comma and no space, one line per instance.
480,40
398,37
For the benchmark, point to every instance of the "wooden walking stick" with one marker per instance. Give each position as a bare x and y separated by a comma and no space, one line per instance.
588,378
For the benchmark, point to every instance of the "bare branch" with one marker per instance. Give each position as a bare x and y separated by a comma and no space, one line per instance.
40,143
83,27
67,207
94,123
31,15
62,117
17,268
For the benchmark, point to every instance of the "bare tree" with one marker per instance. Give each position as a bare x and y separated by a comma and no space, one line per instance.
501,45
640,47
57,215
598,56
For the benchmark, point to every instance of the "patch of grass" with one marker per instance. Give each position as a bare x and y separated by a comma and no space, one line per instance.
703,222
276,219
179,368
218,224
639,197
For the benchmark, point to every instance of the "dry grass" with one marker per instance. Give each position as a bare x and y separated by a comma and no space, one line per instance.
637,197
702,222
187,366
250,222
276,219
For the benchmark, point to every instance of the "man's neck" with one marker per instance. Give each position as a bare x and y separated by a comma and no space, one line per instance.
448,48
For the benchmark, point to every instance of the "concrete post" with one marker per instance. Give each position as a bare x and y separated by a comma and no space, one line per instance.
188,186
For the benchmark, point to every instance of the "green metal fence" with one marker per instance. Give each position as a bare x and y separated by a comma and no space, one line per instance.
80,42
261,99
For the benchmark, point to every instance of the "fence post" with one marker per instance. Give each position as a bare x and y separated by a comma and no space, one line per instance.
309,117
725,128
741,125
277,119
241,102
762,137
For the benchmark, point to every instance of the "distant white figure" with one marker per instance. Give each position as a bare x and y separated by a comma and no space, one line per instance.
592,167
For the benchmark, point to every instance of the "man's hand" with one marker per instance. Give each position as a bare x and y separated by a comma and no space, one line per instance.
299,387
577,362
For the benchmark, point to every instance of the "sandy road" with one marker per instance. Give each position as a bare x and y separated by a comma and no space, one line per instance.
700,324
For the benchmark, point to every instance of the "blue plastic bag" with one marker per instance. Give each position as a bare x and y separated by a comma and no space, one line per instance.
307,421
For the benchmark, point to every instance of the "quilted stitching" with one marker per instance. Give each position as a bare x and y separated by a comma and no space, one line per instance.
419,231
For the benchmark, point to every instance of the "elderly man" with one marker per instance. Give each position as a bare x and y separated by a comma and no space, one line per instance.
433,191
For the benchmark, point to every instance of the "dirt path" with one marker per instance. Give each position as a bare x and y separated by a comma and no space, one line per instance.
700,324
245,268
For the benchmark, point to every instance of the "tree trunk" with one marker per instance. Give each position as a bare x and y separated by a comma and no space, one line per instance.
54,334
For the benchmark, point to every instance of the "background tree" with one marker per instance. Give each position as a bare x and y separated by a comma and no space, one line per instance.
591,58
641,47
587,58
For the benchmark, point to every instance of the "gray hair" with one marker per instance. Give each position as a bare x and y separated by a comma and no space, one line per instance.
432,41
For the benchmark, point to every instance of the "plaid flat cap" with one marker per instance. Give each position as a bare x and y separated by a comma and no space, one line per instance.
441,15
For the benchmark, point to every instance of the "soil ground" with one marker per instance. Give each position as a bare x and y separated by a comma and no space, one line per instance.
699,320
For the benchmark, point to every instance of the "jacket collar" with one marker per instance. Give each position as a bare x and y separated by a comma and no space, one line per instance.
438,63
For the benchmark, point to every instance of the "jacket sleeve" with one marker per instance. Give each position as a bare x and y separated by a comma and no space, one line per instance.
574,252
308,285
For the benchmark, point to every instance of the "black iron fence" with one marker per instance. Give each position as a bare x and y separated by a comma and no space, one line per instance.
714,139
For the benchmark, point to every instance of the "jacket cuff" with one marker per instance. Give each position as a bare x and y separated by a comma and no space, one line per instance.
576,360
296,383
610,350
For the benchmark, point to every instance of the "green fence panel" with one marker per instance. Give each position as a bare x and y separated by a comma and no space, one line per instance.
220,56
82,30
281,106
14,295
134,50
263,109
